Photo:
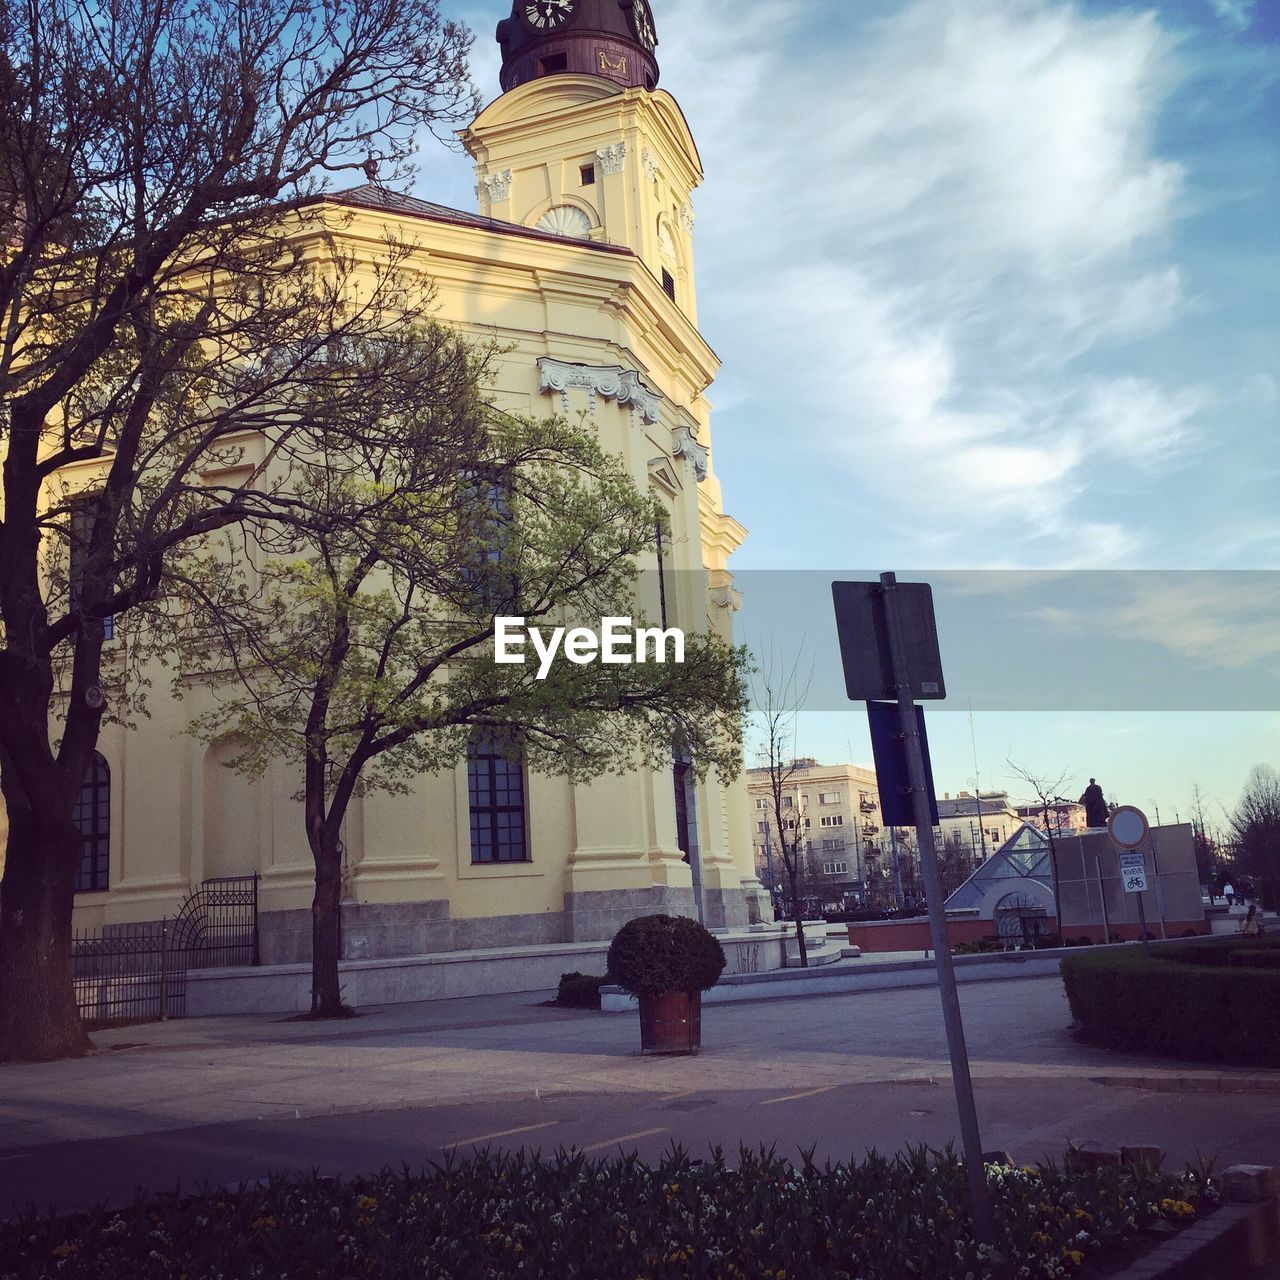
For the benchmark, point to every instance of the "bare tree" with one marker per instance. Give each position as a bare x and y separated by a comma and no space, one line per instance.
1256,826
153,315
778,694
1207,845
955,862
1047,790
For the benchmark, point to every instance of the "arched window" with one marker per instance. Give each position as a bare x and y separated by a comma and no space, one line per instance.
92,815
495,796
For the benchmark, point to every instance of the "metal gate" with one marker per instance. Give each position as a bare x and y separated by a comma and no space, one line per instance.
138,972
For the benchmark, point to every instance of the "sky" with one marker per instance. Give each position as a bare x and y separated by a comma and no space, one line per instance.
994,285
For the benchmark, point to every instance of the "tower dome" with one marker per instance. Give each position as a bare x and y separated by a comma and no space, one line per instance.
614,39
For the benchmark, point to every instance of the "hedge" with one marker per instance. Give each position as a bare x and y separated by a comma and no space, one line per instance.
581,990
502,1216
1217,1000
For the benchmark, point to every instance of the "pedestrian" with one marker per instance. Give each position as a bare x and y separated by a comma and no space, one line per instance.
1251,925
1229,892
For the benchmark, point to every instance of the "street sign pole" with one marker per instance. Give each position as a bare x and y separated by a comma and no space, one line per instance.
1142,924
969,1135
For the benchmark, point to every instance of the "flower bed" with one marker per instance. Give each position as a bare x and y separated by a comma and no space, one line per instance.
501,1216
1216,1000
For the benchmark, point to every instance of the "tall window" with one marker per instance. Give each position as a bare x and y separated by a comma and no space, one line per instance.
495,794
92,815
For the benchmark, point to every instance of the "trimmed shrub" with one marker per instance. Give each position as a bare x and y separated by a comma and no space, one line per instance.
1190,1000
656,955
580,990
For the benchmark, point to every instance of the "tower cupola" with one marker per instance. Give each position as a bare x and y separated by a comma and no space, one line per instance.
614,39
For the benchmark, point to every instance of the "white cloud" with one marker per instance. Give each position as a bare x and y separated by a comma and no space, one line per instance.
911,238
1237,13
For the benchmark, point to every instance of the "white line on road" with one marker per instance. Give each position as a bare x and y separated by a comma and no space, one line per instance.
502,1133
792,1097
626,1137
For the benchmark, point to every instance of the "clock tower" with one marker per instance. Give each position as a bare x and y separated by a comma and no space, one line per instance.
615,39
583,144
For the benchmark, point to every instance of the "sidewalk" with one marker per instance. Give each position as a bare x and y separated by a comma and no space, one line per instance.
161,1076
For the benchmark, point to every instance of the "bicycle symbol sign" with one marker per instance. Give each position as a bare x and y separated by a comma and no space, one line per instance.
1133,872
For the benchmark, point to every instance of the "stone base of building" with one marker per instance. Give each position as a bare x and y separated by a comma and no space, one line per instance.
374,931
286,988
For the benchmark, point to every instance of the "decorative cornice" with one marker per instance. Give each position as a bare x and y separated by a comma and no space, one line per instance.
498,185
684,444
611,158
613,382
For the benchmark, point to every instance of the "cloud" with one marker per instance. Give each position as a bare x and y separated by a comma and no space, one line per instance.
913,238
1236,13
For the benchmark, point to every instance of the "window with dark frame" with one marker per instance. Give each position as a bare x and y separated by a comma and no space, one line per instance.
92,817
588,173
668,284
495,796
552,63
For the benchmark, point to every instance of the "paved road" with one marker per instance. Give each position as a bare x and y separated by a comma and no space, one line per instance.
234,1098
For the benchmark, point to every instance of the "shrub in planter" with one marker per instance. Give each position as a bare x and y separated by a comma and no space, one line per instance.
666,962
580,990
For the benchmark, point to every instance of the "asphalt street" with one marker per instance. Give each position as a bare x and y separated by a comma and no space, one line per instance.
234,1099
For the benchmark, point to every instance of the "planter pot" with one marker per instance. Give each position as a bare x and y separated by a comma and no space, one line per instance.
671,1023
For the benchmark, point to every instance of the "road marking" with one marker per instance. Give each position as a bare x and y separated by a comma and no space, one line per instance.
502,1133
683,1093
626,1137
792,1097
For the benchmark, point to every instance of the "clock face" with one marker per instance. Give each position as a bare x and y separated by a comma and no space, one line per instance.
548,15
642,24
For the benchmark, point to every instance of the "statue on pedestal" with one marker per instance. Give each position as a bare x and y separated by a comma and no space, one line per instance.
1095,805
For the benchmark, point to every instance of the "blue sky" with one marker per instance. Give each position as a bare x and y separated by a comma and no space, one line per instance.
995,286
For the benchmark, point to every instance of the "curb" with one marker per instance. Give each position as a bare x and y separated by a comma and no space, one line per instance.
1229,1242
1193,1084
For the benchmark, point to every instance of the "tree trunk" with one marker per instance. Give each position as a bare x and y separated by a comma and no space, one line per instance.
326,933
797,915
39,1020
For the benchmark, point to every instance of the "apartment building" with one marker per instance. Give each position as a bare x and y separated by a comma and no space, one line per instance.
845,845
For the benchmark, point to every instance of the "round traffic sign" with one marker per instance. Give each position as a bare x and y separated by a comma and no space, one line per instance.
1128,826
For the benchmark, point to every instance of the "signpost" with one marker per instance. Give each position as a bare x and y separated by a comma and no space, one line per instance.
1128,828
889,648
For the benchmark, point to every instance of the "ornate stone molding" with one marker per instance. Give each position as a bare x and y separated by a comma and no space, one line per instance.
650,162
498,185
611,158
687,218
725,598
613,382
684,444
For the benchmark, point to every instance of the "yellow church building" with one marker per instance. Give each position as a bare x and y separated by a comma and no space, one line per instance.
580,264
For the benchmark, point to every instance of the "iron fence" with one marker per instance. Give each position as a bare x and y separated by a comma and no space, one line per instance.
138,972
127,973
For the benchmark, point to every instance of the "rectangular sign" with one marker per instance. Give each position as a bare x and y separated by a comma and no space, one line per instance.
889,749
864,640
1133,872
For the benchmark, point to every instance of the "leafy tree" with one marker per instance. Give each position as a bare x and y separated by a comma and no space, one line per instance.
151,314
1256,827
361,640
